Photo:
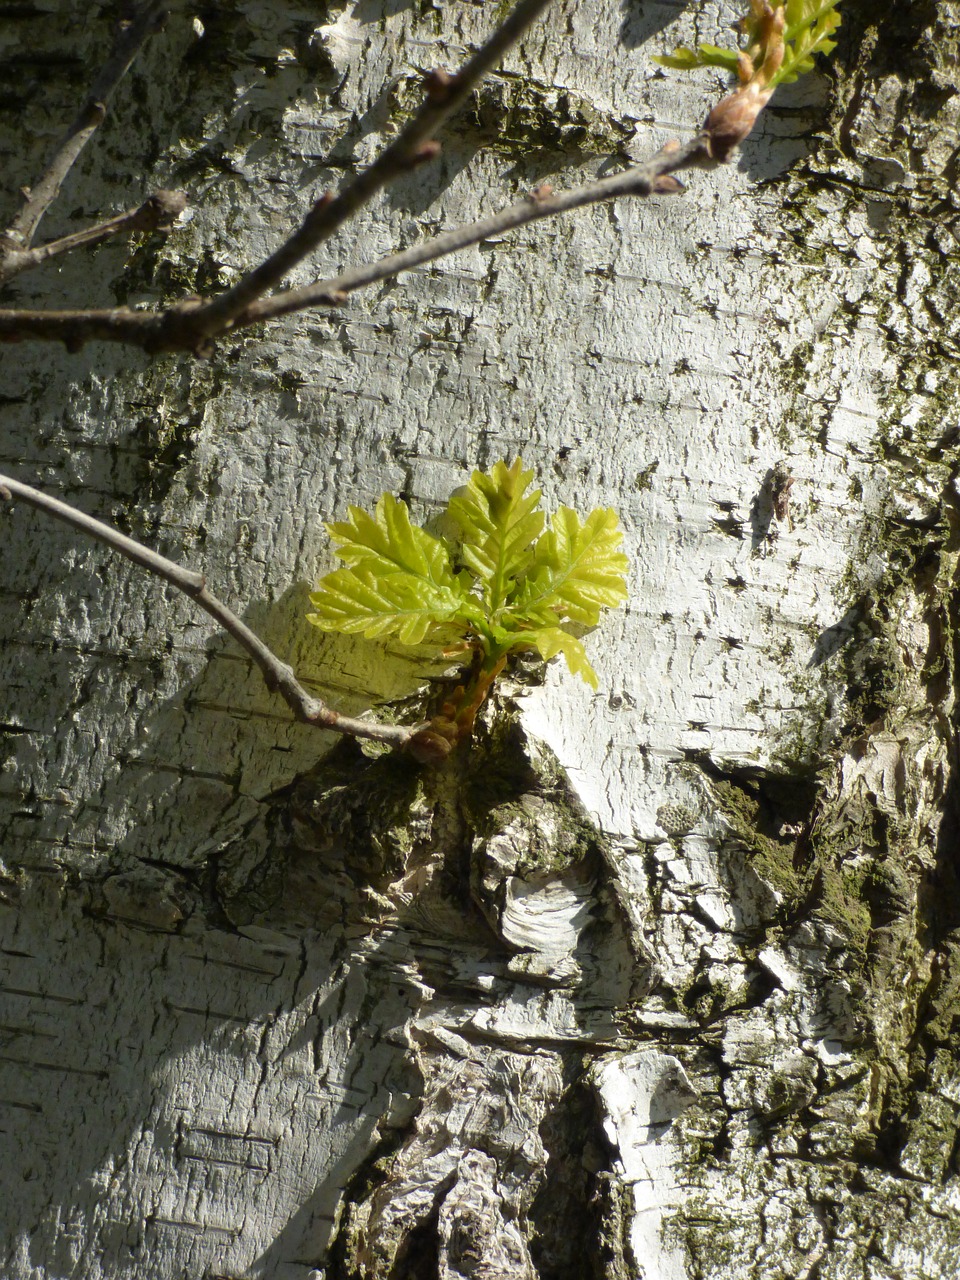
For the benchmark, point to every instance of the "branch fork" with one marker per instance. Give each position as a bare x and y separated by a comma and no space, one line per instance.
194,325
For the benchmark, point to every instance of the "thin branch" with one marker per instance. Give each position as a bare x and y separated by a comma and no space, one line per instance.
169,330
75,328
278,675
192,324
159,210
131,37
445,96
641,180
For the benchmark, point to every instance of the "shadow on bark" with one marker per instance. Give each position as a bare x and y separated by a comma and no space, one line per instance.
433,864
460,920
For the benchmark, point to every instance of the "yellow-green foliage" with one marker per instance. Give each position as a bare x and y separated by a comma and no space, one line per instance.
509,585
801,27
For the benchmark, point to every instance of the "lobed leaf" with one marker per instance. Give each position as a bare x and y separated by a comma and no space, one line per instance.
577,570
386,542
499,521
549,641
399,581
402,605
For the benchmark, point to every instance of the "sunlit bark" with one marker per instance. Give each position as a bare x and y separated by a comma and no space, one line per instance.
659,981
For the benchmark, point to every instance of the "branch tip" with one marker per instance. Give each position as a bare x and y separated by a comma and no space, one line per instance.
429,744
167,205
731,120
322,202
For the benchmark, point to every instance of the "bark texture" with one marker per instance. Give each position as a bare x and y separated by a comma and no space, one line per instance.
658,982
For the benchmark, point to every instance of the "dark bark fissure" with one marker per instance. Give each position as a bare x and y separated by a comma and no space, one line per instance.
372,843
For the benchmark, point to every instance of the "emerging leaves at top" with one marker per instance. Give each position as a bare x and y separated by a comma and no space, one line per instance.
500,522
508,586
780,38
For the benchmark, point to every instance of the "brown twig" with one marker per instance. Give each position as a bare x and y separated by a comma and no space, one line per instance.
445,95
131,37
277,675
193,324
170,330
641,180
159,210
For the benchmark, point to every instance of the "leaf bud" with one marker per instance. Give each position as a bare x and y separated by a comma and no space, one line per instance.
733,117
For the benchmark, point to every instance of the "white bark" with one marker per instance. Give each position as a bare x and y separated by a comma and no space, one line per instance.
652,982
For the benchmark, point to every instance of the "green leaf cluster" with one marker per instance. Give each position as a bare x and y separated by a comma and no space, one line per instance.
808,27
511,583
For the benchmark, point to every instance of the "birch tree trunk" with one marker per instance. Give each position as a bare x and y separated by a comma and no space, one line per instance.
655,982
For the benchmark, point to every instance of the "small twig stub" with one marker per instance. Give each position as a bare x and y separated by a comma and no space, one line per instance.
780,485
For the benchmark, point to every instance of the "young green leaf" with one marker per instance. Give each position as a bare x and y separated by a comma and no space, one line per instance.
810,28
549,641
500,521
400,582
387,542
800,27
577,570
707,55
363,601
